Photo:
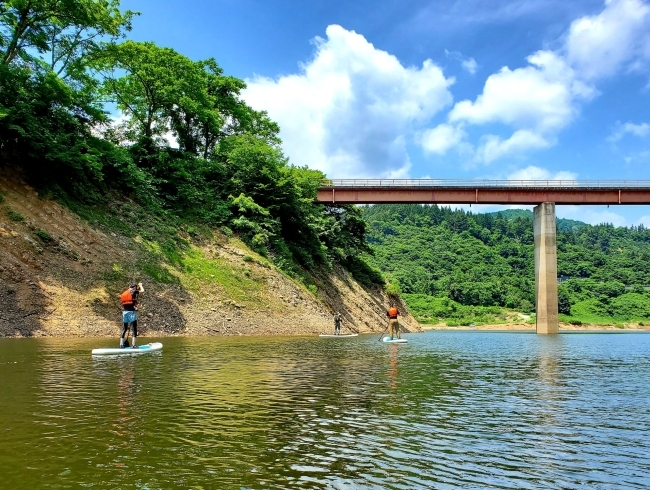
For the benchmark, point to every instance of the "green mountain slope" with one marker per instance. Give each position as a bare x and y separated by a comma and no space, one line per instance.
483,264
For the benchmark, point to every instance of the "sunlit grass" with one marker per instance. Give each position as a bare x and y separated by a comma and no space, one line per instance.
235,281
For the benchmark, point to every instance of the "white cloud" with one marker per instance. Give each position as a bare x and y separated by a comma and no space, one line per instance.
537,101
600,45
470,65
539,97
645,221
537,173
352,108
493,147
441,138
635,129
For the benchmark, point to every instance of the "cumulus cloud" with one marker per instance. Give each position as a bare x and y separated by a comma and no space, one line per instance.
600,45
351,109
540,96
640,130
441,138
538,100
493,147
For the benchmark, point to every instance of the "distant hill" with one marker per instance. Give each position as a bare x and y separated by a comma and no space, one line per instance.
563,224
458,267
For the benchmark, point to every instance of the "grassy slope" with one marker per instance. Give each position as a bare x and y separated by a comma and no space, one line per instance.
61,273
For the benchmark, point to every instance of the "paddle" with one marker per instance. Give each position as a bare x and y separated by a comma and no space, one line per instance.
382,334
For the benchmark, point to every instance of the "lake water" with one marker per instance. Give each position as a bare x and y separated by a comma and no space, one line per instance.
447,410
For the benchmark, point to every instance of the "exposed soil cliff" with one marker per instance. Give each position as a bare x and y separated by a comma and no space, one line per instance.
61,276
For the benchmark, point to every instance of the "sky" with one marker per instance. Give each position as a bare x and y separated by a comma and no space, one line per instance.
453,89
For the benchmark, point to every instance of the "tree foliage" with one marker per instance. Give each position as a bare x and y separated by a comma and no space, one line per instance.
185,144
487,260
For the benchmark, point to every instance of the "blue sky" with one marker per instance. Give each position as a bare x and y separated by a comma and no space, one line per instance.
443,89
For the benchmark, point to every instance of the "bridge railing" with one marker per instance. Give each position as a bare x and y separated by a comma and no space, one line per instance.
486,183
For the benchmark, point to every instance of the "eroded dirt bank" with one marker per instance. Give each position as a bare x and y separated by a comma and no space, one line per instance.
61,276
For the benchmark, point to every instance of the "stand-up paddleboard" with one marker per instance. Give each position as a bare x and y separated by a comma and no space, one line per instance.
142,349
342,336
394,341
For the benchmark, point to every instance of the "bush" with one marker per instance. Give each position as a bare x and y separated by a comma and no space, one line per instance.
392,289
45,236
226,231
563,301
13,216
248,258
526,306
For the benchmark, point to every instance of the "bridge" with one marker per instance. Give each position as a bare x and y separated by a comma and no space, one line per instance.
543,194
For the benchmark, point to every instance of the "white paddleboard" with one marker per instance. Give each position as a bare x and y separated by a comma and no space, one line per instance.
394,341
339,336
142,349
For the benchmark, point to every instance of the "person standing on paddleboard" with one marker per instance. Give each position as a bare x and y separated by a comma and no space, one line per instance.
337,323
129,300
393,324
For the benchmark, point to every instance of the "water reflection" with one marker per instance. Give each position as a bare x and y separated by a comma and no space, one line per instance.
447,410
393,352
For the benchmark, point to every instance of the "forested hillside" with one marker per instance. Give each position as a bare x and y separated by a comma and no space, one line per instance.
91,117
463,267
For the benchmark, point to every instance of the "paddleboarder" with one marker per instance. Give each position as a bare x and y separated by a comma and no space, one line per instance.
393,324
337,323
129,300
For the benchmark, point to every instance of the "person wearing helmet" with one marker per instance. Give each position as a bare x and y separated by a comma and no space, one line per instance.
129,300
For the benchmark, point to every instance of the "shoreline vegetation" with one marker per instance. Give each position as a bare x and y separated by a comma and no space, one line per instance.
564,327
457,268
127,161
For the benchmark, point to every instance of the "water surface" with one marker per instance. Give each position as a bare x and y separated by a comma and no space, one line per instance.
447,410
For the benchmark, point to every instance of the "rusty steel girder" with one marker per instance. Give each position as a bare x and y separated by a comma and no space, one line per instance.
457,195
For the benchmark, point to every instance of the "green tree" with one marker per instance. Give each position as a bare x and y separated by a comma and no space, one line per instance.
58,34
563,301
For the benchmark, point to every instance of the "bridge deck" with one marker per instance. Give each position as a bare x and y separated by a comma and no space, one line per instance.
438,191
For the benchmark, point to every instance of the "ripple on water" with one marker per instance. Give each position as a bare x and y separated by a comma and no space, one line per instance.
448,410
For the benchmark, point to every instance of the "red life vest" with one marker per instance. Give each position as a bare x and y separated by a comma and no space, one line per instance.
392,312
127,298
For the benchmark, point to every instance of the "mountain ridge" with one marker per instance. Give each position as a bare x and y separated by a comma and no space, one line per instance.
563,224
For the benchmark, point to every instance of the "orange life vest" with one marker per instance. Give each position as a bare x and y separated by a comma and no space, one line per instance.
127,298
392,312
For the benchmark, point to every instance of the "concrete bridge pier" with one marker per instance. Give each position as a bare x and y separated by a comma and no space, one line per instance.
545,268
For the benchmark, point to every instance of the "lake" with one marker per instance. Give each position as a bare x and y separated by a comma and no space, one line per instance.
447,410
